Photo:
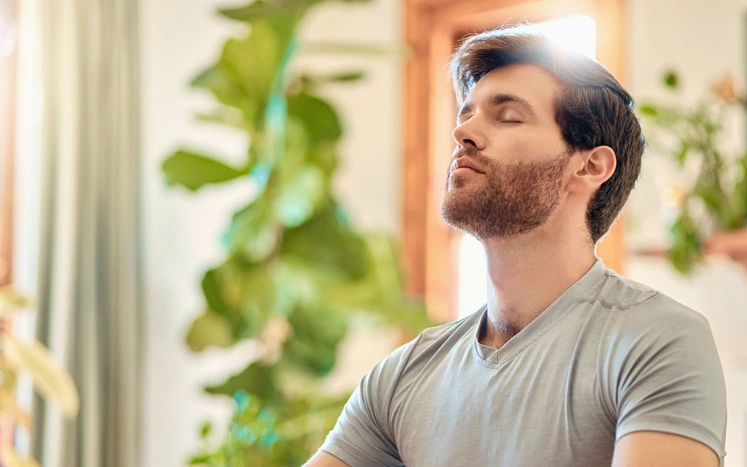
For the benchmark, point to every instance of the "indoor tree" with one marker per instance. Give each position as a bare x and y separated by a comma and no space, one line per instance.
296,271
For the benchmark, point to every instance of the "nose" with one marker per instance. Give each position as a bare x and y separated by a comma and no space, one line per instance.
465,134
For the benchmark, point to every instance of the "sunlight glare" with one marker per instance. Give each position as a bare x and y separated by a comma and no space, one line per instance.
576,33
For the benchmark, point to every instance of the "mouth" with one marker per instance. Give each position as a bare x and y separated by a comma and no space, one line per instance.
464,164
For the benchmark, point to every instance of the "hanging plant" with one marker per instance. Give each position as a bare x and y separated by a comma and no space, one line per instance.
296,270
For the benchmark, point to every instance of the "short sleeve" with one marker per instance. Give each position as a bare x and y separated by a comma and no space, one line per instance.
362,435
669,377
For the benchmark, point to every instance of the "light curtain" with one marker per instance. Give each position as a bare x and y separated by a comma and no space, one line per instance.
89,301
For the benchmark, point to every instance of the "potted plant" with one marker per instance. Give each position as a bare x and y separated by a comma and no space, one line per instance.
296,271
714,198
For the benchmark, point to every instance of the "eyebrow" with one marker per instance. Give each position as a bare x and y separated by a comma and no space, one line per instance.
499,99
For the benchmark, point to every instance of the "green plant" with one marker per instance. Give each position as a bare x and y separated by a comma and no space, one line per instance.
694,136
296,271
49,379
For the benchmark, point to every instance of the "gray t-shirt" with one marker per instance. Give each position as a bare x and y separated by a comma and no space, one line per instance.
607,358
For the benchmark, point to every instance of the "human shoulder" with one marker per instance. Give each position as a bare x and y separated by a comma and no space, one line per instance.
644,309
429,342
448,330
369,409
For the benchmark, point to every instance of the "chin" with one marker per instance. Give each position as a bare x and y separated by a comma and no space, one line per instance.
455,185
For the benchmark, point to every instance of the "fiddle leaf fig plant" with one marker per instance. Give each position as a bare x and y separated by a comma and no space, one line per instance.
296,271
694,136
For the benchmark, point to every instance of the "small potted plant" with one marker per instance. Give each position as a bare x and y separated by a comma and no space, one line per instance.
711,205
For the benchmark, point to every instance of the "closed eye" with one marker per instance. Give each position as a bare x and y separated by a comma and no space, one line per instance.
509,115
508,112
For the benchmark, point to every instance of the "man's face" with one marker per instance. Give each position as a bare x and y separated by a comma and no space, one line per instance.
507,171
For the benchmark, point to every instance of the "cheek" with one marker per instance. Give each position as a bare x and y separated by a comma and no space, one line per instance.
545,143
527,142
532,146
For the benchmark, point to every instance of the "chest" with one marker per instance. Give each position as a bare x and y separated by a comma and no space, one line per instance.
532,410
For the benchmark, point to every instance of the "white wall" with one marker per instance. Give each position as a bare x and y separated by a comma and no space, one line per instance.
181,231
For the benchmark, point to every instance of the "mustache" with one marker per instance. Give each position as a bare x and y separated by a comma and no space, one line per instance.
472,153
467,151
485,162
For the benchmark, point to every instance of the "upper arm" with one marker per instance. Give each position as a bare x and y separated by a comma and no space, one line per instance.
322,459
363,434
654,449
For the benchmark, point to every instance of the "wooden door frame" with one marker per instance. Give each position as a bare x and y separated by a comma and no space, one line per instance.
8,95
430,27
8,115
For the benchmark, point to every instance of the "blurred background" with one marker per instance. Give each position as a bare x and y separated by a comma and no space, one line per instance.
246,198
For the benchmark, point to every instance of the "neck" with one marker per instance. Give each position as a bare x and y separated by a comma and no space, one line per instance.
526,274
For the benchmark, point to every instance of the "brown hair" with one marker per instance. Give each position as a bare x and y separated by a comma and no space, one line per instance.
593,109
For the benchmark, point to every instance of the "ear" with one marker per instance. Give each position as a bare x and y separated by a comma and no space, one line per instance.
596,167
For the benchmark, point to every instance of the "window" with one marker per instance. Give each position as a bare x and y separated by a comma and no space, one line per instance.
432,251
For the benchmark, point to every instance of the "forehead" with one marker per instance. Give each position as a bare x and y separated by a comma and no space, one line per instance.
529,82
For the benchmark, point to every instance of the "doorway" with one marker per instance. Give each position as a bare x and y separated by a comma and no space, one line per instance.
433,252
578,34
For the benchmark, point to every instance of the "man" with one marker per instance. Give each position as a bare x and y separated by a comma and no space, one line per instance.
569,364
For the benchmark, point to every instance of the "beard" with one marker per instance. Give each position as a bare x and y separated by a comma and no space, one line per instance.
511,199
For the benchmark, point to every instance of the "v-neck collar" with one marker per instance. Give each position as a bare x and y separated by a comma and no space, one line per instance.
493,358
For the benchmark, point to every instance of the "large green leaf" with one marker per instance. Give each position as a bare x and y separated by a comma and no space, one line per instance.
301,196
210,329
257,378
248,68
212,289
310,81
649,110
326,242
254,60
47,375
262,10
227,116
320,119
9,377
326,157
295,155
717,202
244,294
12,301
220,81
381,291
259,299
193,171
686,248
317,332
254,233
681,155
664,116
